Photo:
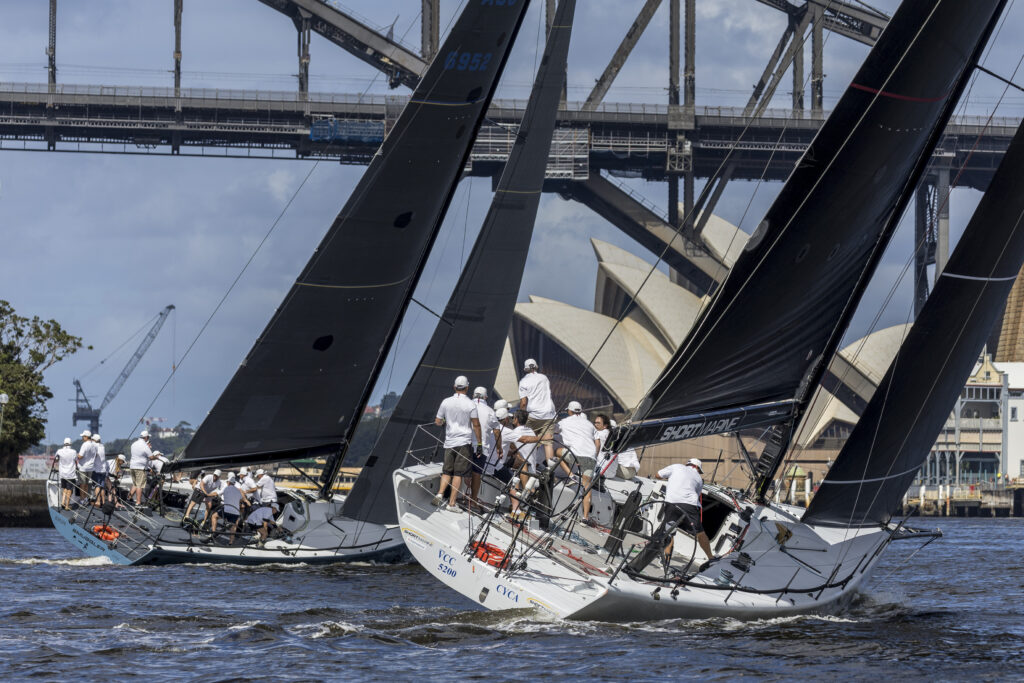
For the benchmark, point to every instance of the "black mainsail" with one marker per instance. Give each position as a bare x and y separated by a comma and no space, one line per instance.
761,346
470,337
898,428
301,389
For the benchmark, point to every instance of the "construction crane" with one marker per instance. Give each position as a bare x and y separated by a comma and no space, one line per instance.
84,412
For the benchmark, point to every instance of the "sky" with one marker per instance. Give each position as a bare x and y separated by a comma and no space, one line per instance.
102,242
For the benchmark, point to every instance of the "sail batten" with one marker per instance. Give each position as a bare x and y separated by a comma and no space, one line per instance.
307,378
885,450
470,337
776,321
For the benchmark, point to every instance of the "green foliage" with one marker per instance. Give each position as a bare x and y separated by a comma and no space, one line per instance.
28,347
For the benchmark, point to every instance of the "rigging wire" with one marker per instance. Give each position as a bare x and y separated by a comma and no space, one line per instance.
135,334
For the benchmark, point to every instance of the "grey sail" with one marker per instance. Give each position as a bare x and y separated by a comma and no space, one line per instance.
777,320
898,428
301,389
470,337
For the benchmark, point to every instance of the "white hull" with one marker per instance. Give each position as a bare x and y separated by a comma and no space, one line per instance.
814,569
315,534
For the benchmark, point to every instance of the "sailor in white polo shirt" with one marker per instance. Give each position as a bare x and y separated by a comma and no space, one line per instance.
86,463
682,501
490,444
581,446
458,415
67,468
535,399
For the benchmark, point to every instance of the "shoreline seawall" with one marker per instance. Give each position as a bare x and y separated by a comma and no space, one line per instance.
23,503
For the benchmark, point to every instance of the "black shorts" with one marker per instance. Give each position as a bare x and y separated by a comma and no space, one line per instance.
230,517
479,463
197,496
458,461
688,514
67,484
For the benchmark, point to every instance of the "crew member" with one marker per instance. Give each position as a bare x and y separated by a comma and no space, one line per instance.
535,399
458,414
86,463
489,447
114,469
139,463
99,469
267,490
682,502
67,470
231,496
521,442
581,448
209,489
247,485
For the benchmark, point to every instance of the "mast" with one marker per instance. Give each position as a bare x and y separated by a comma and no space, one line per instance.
301,390
470,337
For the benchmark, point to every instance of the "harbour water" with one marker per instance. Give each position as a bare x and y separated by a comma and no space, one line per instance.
951,612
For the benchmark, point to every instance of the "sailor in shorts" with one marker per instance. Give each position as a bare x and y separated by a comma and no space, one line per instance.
682,502
581,445
458,414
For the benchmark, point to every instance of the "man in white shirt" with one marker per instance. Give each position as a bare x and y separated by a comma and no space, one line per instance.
458,414
267,489
138,464
521,443
247,485
99,468
625,464
535,399
581,447
231,498
682,502
67,470
490,446
206,492
86,463
261,518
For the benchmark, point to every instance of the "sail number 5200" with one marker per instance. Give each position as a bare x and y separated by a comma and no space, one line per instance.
467,61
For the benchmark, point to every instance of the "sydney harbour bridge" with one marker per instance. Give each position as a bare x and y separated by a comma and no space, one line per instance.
596,144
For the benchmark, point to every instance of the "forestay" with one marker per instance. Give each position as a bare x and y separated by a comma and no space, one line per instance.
470,337
301,389
776,321
898,428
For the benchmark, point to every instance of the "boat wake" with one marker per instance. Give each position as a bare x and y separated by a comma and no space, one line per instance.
72,562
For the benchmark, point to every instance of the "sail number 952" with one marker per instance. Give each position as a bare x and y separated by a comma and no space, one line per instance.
467,61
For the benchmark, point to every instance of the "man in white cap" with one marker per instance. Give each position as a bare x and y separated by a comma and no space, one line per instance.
267,489
139,463
535,399
86,464
99,468
247,485
67,469
461,423
581,446
682,502
231,496
489,447
209,486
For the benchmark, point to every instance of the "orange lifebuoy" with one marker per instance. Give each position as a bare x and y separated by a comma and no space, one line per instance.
488,553
105,532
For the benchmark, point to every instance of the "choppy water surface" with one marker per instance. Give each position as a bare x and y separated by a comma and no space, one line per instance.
953,612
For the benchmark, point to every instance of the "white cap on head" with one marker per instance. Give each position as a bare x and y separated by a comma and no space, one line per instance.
67,441
231,477
95,437
259,472
501,413
613,423
244,471
530,364
120,456
461,382
575,407
480,392
157,453
695,463
143,434
216,473
86,434
501,403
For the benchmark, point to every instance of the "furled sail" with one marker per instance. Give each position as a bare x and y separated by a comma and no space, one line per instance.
898,428
470,337
301,390
776,321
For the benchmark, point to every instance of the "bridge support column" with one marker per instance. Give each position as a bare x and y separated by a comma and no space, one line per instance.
304,24
430,35
817,68
51,51
798,74
177,53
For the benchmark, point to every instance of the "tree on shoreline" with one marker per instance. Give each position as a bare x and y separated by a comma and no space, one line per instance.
28,347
